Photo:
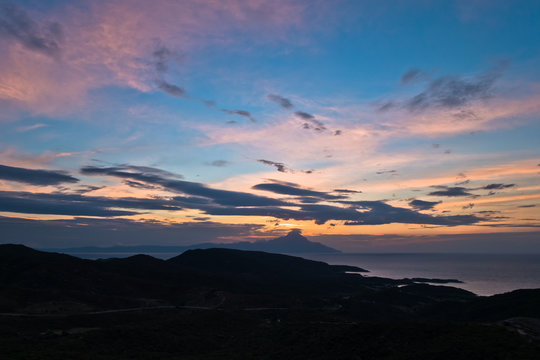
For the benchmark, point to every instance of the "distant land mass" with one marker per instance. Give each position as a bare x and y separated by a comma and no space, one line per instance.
292,243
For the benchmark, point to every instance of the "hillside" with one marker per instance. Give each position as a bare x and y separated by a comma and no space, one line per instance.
216,303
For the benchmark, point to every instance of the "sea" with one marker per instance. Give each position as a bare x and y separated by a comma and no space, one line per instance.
482,274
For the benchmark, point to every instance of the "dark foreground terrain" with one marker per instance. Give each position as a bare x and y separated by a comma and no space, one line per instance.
231,304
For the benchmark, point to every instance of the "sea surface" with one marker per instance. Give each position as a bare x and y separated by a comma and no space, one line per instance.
483,274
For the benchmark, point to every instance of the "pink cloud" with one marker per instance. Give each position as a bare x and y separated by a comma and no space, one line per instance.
110,43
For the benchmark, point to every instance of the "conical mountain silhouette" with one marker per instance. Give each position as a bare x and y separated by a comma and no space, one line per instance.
293,242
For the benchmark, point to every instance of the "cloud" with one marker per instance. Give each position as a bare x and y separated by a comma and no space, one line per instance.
279,166
423,205
78,205
497,186
282,167
386,172
447,92
462,191
16,24
30,127
450,191
371,213
347,191
311,123
243,113
411,75
148,170
83,231
162,55
232,203
217,196
381,213
219,163
454,91
35,177
296,191
304,115
170,89
113,44
386,105
281,101
88,188
139,185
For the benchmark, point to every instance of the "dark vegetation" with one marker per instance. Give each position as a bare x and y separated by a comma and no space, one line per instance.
223,303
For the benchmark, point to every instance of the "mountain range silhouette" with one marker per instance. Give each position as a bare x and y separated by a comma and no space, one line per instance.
292,243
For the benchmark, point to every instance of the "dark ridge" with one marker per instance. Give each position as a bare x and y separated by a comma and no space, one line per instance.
255,262
36,282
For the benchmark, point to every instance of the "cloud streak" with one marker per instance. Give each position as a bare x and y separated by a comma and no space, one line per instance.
296,190
35,177
78,205
242,113
171,89
281,101
233,203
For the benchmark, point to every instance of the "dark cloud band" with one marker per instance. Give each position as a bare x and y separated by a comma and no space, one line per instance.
35,177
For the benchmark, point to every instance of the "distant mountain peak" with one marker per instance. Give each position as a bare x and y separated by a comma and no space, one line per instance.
293,235
294,242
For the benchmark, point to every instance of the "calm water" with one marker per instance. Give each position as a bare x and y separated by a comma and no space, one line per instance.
483,274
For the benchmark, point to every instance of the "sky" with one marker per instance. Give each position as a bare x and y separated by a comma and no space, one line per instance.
372,126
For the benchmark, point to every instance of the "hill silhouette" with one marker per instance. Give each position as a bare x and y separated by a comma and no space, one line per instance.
222,303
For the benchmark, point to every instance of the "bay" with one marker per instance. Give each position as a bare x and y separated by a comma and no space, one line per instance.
483,274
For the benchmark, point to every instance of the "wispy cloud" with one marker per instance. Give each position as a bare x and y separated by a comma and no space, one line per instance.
109,43
171,89
447,91
281,101
296,190
30,127
279,166
219,163
242,113
282,167
17,25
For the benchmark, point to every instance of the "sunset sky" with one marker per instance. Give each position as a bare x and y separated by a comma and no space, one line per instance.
369,125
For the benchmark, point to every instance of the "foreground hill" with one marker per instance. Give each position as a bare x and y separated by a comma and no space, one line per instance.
224,303
40,282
